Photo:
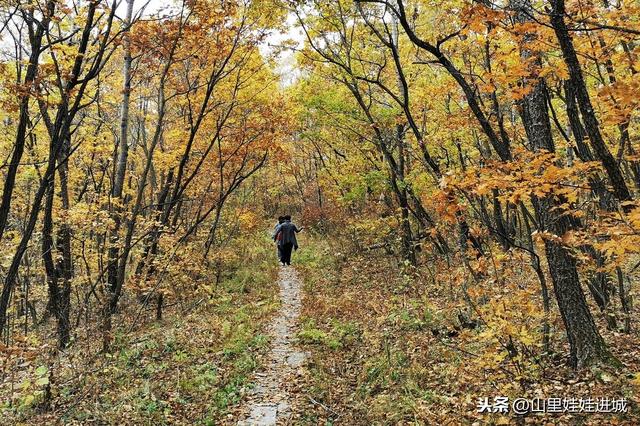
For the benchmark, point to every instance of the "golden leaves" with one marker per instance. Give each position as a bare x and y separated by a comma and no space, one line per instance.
530,174
618,234
620,99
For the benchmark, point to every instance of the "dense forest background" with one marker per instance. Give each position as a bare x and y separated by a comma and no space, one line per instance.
467,173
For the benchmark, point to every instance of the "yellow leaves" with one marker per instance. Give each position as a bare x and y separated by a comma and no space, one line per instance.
527,338
557,69
562,72
618,247
620,99
86,218
633,215
511,321
518,93
248,221
616,235
477,16
636,380
480,266
446,206
528,175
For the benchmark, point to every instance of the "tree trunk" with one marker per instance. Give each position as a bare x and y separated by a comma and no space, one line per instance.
65,262
586,345
123,152
12,272
584,102
21,131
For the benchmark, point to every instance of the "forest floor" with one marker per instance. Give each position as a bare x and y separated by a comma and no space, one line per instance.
333,341
195,366
270,400
375,355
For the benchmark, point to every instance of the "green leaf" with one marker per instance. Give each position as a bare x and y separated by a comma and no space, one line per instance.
42,370
42,381
28,400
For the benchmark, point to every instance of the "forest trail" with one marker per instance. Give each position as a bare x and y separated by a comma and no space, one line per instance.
269,402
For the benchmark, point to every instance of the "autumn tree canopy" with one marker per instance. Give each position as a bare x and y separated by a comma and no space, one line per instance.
477,160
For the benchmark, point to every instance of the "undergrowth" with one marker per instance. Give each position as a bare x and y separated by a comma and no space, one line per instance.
397,348
193,367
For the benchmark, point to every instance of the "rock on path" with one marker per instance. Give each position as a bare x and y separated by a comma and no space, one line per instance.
269,401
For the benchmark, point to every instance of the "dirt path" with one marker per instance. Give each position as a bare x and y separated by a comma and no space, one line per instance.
270,402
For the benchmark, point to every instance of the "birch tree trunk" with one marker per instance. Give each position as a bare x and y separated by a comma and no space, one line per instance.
123,150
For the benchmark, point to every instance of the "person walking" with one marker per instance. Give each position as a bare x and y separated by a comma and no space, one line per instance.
287,242
276,237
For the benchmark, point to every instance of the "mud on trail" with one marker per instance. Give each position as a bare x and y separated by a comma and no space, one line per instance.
270,400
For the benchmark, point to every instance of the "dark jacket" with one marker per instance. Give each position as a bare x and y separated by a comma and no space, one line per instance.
287,232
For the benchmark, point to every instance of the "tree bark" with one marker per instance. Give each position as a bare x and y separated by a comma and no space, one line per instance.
586,345
584,102
65,262
123,151
23,120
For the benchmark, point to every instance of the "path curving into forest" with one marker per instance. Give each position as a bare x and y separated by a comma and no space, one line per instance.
270,402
